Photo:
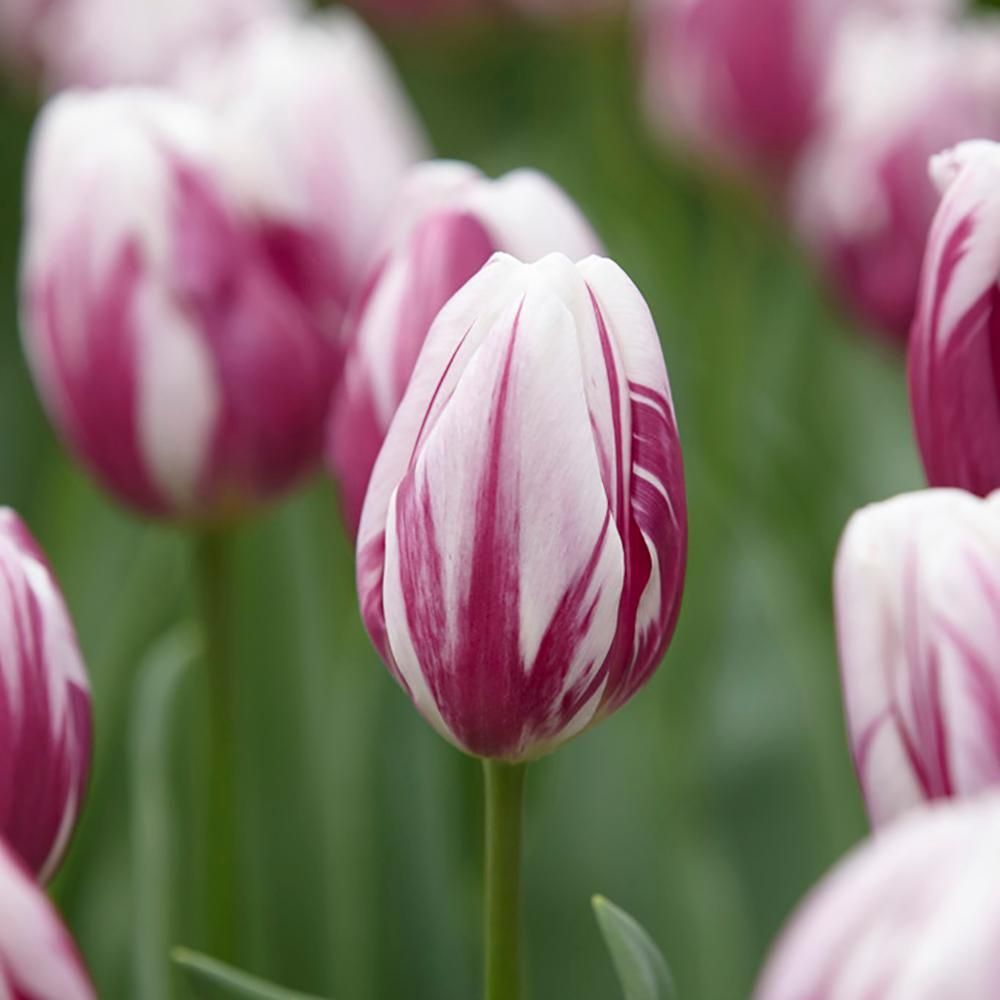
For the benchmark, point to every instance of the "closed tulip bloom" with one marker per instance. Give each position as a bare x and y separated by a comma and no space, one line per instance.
953,344
912,914
38,959
917,589
863,199
447,222
522,544
45,718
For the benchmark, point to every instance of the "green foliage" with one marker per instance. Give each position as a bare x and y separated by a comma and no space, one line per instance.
212,980
640,965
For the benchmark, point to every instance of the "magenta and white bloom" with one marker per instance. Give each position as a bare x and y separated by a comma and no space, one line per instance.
38,958
522,544
917,590
862,199
45,715
954,388
911,914
445,225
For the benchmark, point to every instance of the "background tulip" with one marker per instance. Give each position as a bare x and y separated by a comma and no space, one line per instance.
447,222
521,549
862,199
913,913
45,721
38,959
952,363
918,622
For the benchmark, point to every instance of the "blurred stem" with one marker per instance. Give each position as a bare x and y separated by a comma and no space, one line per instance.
504,822
212,565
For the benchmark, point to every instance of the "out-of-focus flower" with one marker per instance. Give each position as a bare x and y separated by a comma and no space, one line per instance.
522,544
953,345
913,913
96,43
917,589
863,200
38,959
446,224
740,83
22,27
45,717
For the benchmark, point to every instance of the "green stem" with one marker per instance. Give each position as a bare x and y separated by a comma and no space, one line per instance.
504,821
211,557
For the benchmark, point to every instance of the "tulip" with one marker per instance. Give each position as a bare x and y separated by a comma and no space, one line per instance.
917,589
741,83
912,914
45,719
449,220
38,959
863,200
522,544
952,361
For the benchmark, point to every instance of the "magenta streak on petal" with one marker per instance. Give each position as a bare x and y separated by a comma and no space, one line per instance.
269,300
93,368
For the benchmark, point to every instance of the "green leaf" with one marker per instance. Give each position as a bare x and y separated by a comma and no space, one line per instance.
641,968
211,979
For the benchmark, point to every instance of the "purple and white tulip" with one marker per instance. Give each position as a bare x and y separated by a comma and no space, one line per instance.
917,588
912,913
862,198
522,544
45,715
953,362
446,224
38,959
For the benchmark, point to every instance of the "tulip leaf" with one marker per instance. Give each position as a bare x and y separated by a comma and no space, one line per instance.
642,969
214,980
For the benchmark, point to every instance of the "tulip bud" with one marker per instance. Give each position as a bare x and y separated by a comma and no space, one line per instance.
522,544
917,588
912,913
45,721
38,959
449,220
863,201
953,359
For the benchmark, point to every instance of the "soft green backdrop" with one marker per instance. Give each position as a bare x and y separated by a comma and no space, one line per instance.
706,807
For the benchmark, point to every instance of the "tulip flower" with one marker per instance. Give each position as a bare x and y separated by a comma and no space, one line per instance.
38,959
917,589
913,913
952,361
45,718
862,199
522,544
450,219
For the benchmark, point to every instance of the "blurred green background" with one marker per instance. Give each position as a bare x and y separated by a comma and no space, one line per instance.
706,807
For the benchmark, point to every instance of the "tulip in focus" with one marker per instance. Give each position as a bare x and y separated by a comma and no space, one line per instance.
953,346
522,545
45,718
862,199
913,914
447,222
917,589
38,959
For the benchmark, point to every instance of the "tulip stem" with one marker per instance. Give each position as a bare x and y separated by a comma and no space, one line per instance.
211,556
504,822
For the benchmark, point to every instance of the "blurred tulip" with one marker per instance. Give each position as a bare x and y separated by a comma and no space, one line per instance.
953,345
447,222
912,914
38,959
522,544
863,200
45,719
740,83
917,589
22,28
177,334
99,43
